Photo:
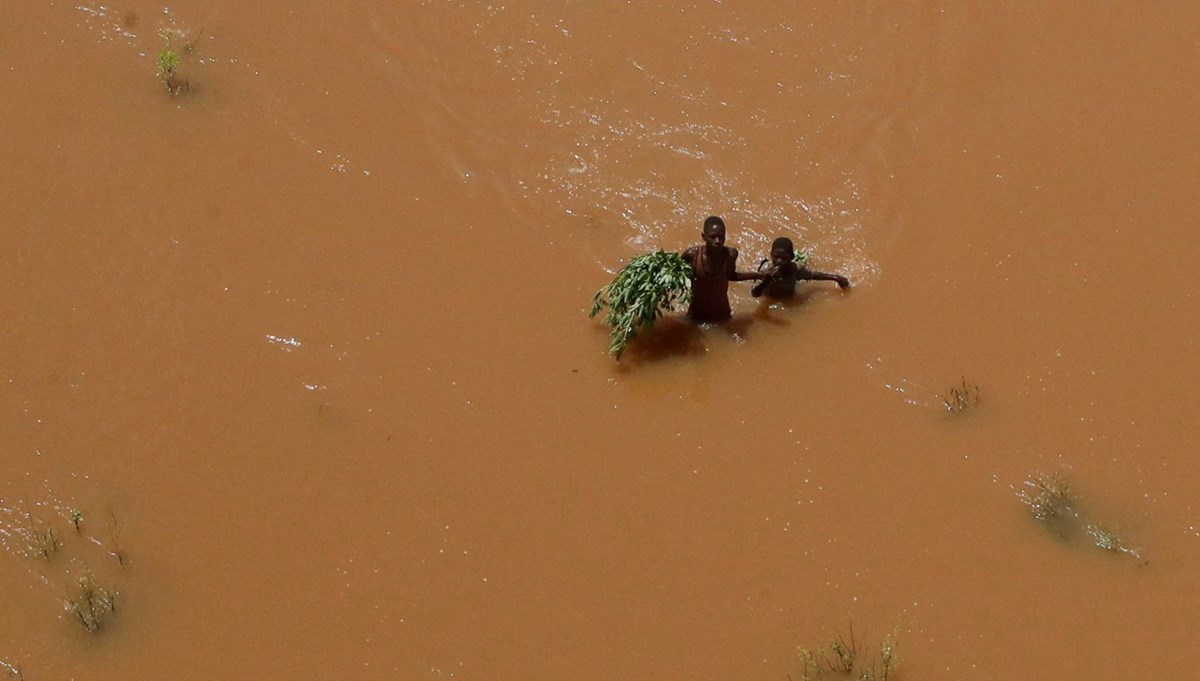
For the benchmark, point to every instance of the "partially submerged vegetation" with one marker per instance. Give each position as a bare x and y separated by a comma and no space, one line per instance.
1109,540
1047,495
842,657
961,397
1054,504
169,59
39,532
167,65
45,540
643,290
89,602
957,399
114,538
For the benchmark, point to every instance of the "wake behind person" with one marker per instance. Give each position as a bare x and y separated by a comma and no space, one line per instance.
713,266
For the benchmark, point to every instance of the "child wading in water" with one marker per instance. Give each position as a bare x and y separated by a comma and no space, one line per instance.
781,278
714,265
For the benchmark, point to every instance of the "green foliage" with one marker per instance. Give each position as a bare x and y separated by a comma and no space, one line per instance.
651,284
167,62
169,59
76,518
801,258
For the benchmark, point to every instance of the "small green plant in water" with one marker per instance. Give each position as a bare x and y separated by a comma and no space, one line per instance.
648,286
89,603
168,64
76,517
169,59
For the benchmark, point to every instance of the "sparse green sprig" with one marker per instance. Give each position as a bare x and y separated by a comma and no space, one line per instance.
648,286
167,63
169,58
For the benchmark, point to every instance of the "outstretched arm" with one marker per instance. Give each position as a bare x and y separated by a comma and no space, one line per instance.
813,275
734,275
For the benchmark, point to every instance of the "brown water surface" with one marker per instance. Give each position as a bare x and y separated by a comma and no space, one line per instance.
308,345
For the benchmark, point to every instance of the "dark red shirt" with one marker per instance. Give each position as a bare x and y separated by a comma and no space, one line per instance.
710,285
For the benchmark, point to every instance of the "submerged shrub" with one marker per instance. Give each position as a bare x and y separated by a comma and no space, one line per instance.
841,658
90,603
169,59
1053,503
1048,496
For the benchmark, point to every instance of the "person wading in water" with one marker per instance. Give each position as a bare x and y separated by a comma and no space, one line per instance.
713,267
785,272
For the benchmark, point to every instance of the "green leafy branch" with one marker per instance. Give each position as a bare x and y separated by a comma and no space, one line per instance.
648,286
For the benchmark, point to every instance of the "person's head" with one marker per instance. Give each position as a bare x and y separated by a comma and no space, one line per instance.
714,232
783,251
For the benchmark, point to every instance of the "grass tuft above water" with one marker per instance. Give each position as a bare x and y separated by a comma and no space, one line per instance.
842,657
960,398
90,603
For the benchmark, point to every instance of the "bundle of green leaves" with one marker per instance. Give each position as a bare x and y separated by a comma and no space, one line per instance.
648,286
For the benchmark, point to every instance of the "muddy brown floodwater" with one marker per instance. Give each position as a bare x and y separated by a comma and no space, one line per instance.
307,345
